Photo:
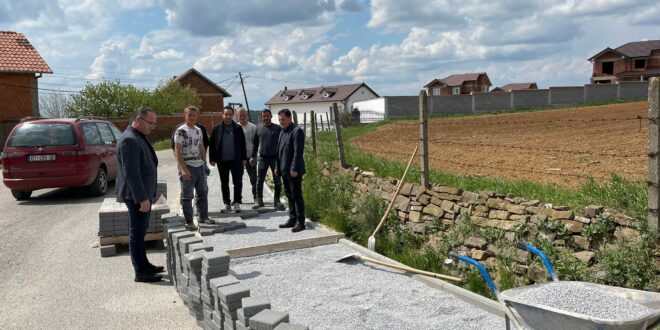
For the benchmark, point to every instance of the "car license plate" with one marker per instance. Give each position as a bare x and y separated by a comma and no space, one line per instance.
41,158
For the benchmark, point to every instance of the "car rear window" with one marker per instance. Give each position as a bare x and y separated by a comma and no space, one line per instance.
43,135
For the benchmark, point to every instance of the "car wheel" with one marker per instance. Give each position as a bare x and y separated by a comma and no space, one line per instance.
100,185
21,195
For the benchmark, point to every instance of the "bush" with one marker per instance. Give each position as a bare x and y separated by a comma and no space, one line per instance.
629,263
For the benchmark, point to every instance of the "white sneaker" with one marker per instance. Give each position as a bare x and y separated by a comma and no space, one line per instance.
226,209
237,207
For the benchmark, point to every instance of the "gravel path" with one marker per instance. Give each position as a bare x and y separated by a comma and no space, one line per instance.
577,297
259,231
318,292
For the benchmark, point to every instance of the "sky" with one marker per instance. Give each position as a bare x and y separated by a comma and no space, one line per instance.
394,46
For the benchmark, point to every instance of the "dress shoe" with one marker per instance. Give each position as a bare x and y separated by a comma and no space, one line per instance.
148,278
298,227
288,224
155,269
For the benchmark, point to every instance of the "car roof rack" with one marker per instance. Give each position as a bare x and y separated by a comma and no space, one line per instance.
31,118
89,118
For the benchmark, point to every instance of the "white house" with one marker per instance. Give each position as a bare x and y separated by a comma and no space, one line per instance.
319,99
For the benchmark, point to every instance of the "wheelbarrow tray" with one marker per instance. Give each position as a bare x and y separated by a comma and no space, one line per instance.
538,316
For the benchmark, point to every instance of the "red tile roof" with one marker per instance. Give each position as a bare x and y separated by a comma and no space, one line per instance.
18,55
315,94
458,79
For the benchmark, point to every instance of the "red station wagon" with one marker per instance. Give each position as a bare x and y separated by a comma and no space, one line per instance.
56,153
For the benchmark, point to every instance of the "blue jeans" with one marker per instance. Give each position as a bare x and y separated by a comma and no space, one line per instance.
196,184
137,228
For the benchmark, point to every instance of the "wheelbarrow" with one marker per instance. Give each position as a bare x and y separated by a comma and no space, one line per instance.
526,315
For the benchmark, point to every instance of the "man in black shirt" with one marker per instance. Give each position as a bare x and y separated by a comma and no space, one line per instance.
265,153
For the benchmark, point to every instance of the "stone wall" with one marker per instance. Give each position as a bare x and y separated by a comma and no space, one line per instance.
420,209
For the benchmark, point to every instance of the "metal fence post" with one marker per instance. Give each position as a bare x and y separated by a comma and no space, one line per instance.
295,117
340,141
654,159
424,137
305,123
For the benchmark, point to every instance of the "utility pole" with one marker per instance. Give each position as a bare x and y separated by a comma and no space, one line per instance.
247,106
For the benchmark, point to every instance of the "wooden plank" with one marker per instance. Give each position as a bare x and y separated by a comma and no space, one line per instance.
284,246
110,240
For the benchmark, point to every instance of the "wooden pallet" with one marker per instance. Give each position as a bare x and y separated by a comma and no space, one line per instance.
110,240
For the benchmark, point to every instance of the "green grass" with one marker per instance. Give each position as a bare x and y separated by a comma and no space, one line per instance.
162,145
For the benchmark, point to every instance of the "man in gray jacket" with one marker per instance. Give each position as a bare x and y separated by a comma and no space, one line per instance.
291,166
136,186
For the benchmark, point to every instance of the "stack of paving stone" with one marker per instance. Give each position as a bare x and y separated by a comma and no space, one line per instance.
113,218
217,300
161,190
250,307
230,298
190,276
172,223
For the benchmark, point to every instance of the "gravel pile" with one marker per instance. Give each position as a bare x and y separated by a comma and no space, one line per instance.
259,231
319,292
584,299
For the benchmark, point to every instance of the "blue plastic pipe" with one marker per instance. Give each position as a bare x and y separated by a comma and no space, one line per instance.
544,258
482,270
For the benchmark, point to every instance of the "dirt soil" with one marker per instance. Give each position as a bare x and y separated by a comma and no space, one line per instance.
561,147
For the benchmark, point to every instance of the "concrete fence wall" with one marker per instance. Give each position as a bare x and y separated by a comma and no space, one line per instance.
404,106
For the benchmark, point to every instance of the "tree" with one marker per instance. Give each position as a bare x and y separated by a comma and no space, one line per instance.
108,99
114,100
170,97
53,104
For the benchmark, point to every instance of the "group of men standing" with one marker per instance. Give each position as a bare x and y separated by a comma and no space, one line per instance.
233,147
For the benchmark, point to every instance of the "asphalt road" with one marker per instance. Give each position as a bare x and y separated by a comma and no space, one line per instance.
52,278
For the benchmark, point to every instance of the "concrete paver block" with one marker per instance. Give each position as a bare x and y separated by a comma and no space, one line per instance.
254,304
268,319
289,326
108,251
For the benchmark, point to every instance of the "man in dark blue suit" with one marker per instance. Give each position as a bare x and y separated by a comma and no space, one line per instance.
291,166
136,186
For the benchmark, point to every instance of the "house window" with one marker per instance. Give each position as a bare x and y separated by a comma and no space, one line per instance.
436,91
608,67
485,89
640,63
456,90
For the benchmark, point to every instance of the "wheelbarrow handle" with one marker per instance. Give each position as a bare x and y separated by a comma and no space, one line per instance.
482,270
544,258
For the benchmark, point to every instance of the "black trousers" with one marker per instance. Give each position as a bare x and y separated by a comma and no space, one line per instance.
137,228
263,164
293,191
236,169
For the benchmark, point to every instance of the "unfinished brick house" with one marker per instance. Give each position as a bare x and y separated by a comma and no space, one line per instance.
515,87
634,61
20,67
211,94
464,83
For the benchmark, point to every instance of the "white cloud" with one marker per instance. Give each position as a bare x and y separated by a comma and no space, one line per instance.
170,54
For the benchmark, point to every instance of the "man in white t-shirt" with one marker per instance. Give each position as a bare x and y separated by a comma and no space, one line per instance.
249,129
190,156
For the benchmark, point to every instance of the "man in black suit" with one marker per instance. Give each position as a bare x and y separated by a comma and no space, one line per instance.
291,166
136,186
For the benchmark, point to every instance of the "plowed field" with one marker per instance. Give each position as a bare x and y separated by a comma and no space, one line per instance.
560,147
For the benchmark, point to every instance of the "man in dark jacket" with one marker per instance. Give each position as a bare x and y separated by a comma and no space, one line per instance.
291,166
265,153
136,186
227,149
